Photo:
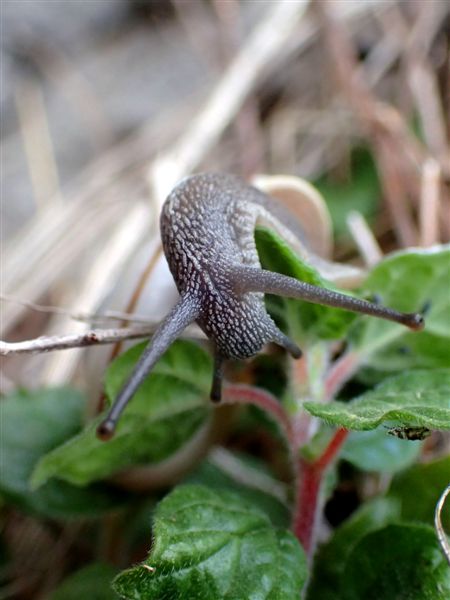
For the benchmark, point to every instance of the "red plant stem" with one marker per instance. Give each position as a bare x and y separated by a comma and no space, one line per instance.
305,512
245,394
331,451
309,481
309,475
341,371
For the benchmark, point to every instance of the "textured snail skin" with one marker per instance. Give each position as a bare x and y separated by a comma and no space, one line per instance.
207,230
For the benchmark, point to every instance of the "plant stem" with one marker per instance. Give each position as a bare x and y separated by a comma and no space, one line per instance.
309,475
341,371
245,394
309,481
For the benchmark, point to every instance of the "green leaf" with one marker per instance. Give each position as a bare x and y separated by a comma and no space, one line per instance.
418,490
407,281
84,458
331,558
416,398
166,411
302,320
34,424
377,451
215,477
398,561
185,368
92,582
213,545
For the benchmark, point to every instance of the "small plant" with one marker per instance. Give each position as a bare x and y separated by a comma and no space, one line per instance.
235,529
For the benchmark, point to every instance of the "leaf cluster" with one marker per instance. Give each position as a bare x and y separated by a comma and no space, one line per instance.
224,533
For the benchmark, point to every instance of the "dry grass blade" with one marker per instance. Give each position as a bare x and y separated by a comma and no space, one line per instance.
99,280
262,47
429,203
38,144
398,154
442,536
421,76
364,239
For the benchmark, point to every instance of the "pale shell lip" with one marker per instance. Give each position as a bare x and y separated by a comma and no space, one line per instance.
306,203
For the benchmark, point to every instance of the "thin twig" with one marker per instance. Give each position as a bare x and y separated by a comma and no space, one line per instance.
80,340
394,189
75,340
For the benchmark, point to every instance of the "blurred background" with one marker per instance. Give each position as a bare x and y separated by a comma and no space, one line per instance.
106,104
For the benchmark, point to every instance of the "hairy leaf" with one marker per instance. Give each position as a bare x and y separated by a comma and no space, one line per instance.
33,424
185,368
398,561
213,545
408,281
167,410
418,490
416,398
329,563
377,451
302,320
253,483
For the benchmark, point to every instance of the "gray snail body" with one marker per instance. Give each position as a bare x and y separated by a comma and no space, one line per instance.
207,231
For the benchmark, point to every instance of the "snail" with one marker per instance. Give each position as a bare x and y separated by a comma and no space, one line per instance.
207,231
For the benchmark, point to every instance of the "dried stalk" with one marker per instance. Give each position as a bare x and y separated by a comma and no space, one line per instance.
38,144
100,279
48,244
261,49
247,127
420,75
76,340
429,203
364,239
87,338
398,154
